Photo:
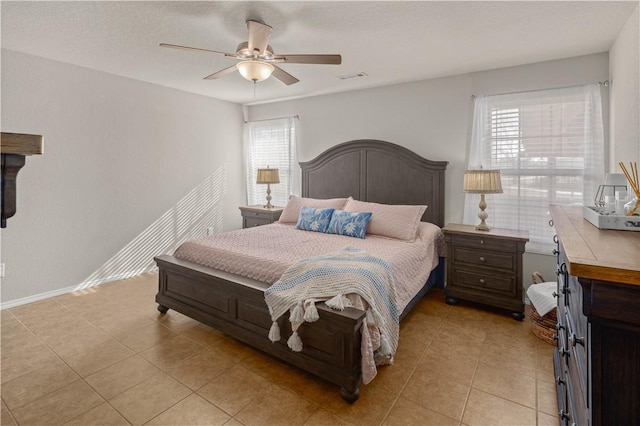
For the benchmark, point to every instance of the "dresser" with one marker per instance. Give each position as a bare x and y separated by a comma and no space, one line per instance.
597,359
485,266
259,215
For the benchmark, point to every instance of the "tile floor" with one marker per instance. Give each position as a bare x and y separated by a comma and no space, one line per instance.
106,356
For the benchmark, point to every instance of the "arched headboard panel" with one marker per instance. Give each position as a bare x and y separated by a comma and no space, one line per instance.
377,171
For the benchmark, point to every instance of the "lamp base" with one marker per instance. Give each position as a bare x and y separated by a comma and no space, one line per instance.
268,205
482,226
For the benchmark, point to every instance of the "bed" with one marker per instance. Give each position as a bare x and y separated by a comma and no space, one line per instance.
367,170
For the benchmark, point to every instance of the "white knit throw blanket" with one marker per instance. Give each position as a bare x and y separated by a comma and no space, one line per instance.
331,278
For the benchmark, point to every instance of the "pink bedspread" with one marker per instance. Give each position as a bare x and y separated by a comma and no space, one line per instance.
263,253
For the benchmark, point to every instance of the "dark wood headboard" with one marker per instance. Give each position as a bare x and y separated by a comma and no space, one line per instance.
377,171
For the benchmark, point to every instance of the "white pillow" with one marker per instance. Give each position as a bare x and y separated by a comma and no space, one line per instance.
291,211
394,221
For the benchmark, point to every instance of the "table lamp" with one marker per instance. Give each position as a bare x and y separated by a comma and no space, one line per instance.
482,182
268,176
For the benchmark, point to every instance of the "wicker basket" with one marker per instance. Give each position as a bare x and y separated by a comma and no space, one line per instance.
543,327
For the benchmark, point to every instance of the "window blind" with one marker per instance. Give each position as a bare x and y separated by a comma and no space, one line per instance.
549,147
271,143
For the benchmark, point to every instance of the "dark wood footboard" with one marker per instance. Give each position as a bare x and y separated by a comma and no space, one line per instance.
331,344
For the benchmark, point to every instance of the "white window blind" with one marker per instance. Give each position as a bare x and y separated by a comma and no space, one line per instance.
549,148
271,143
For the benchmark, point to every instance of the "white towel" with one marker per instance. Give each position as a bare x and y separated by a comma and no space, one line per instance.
541,295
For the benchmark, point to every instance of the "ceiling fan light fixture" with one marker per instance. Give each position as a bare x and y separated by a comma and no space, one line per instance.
255,70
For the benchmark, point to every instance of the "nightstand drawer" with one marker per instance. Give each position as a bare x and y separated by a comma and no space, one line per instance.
250,222
484,243
258,215
485,258
505,284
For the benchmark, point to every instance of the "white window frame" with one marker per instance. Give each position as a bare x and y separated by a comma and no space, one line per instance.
557,156
271,143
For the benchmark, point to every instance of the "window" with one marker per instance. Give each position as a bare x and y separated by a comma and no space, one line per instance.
549,148
271,143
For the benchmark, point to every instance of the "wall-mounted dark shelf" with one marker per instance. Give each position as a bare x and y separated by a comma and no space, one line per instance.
15,146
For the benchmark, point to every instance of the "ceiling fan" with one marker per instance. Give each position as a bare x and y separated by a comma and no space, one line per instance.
257,60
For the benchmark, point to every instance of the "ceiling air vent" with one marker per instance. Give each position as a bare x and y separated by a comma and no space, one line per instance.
350,76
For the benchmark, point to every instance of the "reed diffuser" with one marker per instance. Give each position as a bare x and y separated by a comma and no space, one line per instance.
633,207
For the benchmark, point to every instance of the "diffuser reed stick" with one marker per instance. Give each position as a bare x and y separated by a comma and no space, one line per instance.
632,177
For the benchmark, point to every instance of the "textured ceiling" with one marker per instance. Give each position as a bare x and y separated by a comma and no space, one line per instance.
392,42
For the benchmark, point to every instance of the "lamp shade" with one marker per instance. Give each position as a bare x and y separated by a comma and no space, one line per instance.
255,70
482,182
268,176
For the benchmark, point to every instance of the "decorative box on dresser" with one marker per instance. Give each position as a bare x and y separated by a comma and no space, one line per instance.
259,215
485,266
597,359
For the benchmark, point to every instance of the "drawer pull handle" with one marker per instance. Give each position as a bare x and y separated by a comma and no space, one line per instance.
482,281
559,327
556,252
481,241
554,294
564,415
555,337
575,340
564,352
482,259
559,380
550,222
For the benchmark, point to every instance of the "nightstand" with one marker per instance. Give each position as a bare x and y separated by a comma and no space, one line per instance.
259,215
485,266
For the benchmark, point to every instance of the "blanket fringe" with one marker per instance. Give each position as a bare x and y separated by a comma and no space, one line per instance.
385,348
297,313
338,302
310,311
274,332
294,342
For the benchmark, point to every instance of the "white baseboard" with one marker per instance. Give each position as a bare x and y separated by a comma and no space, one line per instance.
82,286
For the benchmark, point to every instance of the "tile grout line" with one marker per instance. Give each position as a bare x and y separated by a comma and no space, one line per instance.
412,372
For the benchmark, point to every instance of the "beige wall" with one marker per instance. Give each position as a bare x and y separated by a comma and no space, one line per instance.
624,72
128,170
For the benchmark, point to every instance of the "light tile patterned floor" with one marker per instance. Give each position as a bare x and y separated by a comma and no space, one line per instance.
106,356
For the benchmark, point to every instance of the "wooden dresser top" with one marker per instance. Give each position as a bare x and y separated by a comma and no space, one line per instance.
594,253
19,143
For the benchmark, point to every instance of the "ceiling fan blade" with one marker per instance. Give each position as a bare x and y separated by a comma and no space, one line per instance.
197,49
308,59
220,73
283,76
258,36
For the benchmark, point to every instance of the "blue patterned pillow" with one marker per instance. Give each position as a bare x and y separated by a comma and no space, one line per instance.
311,219
349,223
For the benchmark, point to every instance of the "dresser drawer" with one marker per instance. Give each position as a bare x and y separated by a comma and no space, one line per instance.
504,284
484,243
577,343
490,259
576,396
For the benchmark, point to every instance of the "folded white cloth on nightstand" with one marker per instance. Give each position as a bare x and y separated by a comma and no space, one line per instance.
541,295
